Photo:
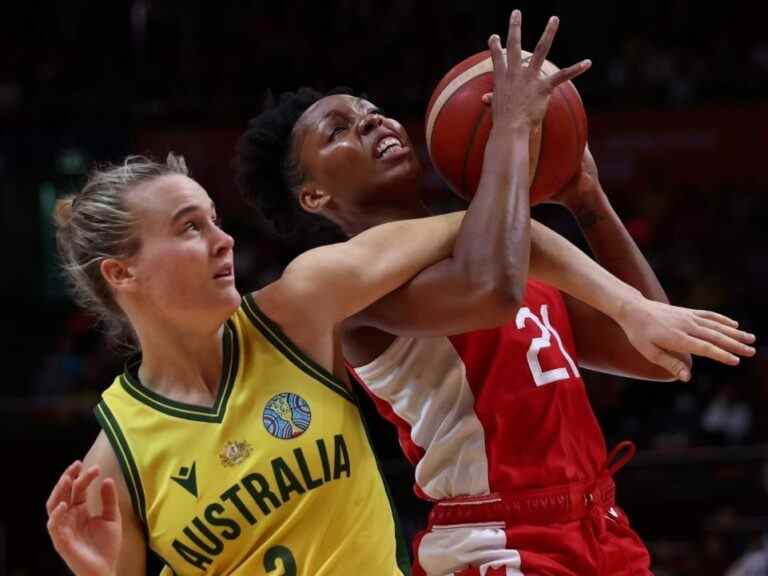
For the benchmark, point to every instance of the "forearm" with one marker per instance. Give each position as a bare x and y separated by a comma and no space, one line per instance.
613,246
493,245
483,282
393,253
326,285
383,258
558,262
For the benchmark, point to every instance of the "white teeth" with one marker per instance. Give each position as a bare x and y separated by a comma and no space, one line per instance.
390,143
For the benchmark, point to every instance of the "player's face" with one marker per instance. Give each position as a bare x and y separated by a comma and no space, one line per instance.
351,150
184,268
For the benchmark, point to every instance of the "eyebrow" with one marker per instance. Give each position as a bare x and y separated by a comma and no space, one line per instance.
369,106
359,102
189,208
331,114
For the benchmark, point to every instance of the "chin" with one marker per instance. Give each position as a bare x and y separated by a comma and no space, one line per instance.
235,300
229,301
406,175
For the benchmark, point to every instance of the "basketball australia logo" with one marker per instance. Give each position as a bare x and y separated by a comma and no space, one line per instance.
287,415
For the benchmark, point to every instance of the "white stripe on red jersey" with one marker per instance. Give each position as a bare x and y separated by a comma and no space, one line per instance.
495,410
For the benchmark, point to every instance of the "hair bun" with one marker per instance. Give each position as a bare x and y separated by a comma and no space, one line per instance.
63,211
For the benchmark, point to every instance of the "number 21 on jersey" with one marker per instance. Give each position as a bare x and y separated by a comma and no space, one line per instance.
539,343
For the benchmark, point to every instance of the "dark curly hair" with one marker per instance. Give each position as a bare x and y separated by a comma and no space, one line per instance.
268,171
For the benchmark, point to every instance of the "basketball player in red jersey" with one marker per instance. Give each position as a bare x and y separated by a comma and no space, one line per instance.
476,364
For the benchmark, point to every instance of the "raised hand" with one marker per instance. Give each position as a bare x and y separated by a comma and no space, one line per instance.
659,330
521,92
89,544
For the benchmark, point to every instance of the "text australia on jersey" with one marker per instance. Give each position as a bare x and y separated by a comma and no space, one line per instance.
256,495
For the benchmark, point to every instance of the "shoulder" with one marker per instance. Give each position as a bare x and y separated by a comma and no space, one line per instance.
310,277
102,454
298,315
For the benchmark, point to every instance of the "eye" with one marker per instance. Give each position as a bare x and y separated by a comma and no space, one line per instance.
336,131
378,111
191,225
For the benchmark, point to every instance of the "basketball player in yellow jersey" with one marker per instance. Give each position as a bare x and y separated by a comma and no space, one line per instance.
231,445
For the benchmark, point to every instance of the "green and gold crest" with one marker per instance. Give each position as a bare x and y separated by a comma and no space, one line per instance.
234,453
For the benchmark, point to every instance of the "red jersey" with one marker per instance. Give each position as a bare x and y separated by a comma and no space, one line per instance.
496,410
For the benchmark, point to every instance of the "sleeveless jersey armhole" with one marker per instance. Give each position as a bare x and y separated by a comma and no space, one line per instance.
125,458
285,345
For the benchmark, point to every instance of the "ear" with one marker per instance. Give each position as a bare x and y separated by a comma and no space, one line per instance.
118,274
313,199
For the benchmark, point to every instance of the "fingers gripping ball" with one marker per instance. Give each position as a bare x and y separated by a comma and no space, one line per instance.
458,125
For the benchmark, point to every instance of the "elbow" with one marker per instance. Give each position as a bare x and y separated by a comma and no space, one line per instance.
509,297
500,292
510,287
499,302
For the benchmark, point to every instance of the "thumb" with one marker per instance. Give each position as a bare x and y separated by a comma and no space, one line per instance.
487,98
671,364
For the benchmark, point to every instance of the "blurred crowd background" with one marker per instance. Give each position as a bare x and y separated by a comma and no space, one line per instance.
678,107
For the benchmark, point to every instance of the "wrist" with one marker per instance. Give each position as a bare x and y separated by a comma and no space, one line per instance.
512,127
627,303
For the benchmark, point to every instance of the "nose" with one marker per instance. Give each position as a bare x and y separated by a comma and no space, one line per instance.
369,122
223,242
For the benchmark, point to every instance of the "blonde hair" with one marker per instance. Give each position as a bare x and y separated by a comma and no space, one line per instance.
97,224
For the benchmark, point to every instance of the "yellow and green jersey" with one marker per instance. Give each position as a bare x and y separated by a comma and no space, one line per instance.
278,477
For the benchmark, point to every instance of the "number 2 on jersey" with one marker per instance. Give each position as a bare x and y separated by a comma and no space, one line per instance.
542,377
279,561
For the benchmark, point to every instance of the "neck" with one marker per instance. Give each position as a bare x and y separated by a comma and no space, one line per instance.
183,363
358,219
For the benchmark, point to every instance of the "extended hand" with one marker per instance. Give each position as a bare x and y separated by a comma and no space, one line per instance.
89,544
521,92
659,330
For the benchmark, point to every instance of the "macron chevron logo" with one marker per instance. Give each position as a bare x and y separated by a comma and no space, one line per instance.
187,479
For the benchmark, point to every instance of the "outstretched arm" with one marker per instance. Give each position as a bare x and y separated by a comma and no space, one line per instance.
601,343
331,283
483,282
657,337
323,286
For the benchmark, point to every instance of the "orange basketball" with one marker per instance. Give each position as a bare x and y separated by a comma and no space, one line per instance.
458,125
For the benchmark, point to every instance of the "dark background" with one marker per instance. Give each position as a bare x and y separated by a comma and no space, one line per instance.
678,107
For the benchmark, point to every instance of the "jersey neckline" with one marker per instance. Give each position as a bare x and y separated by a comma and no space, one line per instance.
132,385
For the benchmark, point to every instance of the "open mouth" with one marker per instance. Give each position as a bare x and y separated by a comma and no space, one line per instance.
387,146
224,272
